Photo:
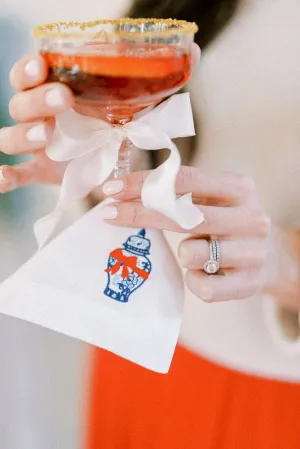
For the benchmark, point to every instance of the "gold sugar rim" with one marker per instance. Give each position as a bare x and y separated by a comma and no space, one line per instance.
58,30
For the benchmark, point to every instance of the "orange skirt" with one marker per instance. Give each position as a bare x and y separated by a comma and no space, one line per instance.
198,405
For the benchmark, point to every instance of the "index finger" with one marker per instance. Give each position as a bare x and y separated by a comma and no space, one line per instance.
28,72
222,189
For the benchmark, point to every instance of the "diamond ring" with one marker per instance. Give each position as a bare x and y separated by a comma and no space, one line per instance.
212,265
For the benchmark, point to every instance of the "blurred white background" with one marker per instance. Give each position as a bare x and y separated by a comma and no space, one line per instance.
43,374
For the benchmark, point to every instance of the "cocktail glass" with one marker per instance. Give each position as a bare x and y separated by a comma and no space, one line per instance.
117,68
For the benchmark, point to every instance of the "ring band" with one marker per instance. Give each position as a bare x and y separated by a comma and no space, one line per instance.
212,265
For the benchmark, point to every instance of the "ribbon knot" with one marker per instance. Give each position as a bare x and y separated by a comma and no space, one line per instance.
91,148
126,262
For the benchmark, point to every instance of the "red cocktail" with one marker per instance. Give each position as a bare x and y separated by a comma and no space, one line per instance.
124,83
117,68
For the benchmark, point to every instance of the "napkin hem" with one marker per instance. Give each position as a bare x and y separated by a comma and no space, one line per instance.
23,301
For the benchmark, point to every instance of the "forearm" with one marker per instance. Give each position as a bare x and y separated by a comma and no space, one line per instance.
282,289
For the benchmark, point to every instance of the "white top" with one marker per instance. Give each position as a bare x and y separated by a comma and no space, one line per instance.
246,96
252,109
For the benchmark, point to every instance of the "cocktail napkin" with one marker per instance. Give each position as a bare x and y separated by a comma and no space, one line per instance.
116,288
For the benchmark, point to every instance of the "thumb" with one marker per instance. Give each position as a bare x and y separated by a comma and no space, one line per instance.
195,54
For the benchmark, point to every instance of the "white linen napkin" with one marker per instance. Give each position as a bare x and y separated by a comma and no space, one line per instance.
116,288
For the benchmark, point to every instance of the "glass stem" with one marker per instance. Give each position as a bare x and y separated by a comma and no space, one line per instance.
122,166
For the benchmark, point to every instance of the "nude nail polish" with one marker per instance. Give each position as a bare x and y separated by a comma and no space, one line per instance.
109,212
33,68
113,187
2,177
37,133
54,97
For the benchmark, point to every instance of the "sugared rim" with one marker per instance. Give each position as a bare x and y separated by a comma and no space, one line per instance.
59,30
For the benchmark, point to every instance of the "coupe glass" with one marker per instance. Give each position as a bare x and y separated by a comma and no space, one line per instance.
117,68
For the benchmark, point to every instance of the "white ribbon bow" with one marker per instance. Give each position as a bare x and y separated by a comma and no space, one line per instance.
92,145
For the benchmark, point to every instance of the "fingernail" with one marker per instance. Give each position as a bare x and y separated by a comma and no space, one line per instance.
206,294
184,254
37,133
2,177
7,179
54,97
113,187
33,68
109,212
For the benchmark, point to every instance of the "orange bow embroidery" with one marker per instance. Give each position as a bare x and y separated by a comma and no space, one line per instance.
125,262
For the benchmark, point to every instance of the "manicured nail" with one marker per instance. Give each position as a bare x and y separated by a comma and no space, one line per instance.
184,254
37,133
7,179
206,294
113,187
33,68
54,97
2,177
109,212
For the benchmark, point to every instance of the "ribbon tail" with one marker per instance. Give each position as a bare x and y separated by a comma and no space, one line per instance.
173,118
125,272
160,184
45,226
82,175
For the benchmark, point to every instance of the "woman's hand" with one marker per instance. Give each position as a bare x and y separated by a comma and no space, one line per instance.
232,214
34,106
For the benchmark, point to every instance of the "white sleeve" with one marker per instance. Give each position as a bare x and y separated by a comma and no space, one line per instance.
283,325
282,322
